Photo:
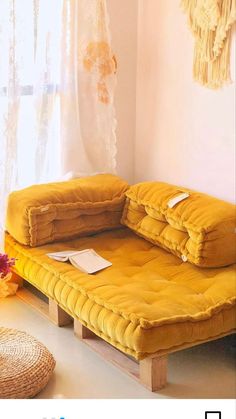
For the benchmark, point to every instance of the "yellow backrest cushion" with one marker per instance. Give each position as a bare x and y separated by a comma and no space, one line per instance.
199,229
50,212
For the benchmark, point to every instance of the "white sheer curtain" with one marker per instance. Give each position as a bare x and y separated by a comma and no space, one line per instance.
88,78
57,78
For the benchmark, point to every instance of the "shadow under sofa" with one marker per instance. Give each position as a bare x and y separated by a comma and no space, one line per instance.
149,303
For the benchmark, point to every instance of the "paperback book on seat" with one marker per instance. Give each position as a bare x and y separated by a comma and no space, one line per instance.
87,260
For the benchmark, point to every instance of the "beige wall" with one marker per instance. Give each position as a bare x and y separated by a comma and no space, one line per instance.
169,127
185,133
123,25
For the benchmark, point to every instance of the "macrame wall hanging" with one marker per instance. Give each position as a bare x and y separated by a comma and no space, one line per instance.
211,22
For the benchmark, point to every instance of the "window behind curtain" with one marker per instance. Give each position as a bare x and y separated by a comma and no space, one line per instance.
30,37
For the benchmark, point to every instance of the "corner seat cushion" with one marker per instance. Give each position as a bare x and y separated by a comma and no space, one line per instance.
50,212
200,228
147,302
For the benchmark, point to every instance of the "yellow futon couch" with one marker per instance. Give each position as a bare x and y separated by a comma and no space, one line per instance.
172,283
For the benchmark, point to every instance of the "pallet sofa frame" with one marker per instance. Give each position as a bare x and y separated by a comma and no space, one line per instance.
150,372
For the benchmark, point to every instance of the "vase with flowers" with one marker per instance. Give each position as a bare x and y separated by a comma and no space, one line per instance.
6,286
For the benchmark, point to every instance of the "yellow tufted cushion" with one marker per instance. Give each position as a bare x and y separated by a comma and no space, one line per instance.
147,302
57,211
200,229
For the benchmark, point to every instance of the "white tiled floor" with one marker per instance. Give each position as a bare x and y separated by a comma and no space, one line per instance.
206,371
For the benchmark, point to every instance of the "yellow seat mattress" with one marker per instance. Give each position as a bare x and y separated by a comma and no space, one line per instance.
148,302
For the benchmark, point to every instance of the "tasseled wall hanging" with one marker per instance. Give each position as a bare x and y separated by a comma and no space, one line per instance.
211,22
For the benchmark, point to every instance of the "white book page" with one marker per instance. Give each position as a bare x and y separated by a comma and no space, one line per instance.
173,201
89,261
62,256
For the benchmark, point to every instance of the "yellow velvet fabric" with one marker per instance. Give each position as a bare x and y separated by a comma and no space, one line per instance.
50,212
147,302
200,229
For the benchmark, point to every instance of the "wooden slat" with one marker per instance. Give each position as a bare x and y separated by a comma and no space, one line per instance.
17,279
82,332
57,315
108,352
47,307
33,300
153,372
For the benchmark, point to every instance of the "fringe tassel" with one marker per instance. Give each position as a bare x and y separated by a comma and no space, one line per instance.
211,22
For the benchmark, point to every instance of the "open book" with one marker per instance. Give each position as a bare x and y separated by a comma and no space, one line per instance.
86,260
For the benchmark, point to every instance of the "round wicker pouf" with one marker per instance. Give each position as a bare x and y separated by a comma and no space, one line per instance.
26,365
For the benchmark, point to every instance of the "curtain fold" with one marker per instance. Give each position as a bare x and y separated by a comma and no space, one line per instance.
87,55
57,83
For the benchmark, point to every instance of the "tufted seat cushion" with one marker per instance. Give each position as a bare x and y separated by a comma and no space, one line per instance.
50,212
199,228
147,302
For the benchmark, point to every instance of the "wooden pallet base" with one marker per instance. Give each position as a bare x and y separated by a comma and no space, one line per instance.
46,307
57,315
150,372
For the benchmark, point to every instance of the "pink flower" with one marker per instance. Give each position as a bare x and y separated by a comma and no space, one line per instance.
5,264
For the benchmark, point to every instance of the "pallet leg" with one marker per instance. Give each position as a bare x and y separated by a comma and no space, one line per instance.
57,315
82,331
153,372
17,279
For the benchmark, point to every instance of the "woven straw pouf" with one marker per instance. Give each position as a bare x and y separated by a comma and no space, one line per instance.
26,365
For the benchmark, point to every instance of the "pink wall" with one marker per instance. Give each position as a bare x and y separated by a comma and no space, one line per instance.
185,133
